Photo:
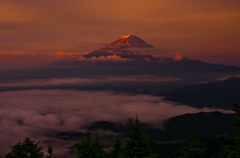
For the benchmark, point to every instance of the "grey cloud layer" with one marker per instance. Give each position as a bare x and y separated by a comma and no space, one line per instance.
82,81
226,77
41,114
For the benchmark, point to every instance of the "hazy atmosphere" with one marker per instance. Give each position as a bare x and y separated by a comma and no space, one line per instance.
67,64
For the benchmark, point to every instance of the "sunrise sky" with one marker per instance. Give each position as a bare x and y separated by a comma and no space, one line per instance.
207,30
42,96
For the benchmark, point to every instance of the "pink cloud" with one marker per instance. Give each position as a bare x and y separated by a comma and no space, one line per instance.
41,114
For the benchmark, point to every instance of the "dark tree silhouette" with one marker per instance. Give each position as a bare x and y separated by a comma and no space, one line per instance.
137,144
117,148
50,152
89,148
232,149
27,149
193,150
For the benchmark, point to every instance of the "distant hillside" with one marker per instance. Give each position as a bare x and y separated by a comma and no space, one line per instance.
176,128
221,94
202,124
169,150
167,64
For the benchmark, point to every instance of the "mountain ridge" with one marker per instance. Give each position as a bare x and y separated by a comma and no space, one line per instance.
219,94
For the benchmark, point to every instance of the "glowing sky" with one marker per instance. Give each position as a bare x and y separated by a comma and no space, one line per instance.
41,32
208,30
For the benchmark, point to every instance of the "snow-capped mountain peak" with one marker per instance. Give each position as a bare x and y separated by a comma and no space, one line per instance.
127,41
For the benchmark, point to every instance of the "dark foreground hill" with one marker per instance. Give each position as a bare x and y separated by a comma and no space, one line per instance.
171,150
176,128
221,94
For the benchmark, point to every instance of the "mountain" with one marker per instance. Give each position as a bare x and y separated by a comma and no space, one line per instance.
133,51
127,46
128,41
221,94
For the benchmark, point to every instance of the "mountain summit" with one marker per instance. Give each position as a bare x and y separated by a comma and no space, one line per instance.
127,41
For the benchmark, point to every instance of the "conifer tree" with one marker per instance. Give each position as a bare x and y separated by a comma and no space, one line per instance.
193,150
27,149
50,152
232,149
137,144
89,148
117,148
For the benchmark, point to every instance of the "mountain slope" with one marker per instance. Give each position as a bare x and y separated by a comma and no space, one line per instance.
221,94
176,128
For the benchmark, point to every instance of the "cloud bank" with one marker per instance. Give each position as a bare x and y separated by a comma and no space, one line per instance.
57,53
63,82
113,58
41,114
226,77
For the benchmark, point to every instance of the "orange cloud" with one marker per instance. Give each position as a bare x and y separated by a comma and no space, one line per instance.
19,53
60,53
178,57
34,54
113,58
3,53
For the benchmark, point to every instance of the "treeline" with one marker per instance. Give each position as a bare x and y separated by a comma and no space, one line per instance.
137,146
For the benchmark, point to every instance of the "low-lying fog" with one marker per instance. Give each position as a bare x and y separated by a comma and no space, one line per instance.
41,114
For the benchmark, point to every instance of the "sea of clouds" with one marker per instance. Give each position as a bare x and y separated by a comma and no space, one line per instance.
41,114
